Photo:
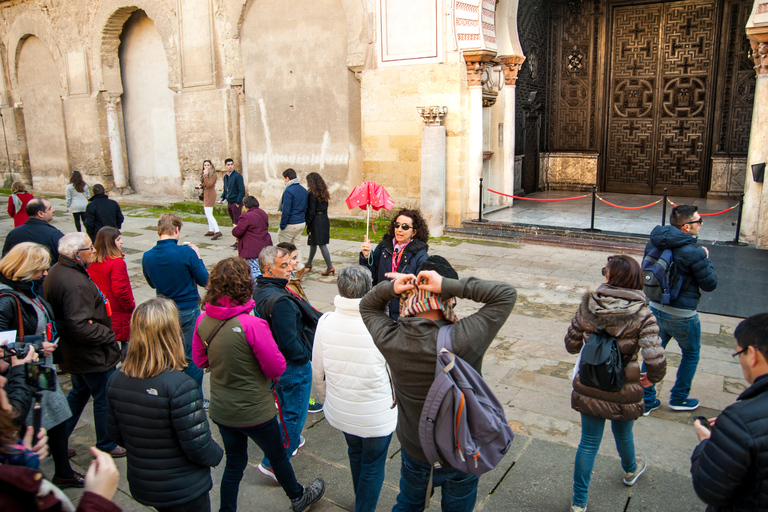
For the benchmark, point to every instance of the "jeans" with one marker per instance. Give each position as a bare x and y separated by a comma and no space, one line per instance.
200,504
212,224
267,437
85,386
459,489
187,319
367,456
293,390
591,434
291,234
687,332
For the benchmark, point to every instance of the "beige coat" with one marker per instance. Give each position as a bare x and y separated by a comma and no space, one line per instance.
209,189
624,314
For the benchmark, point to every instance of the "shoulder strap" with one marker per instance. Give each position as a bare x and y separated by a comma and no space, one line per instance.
444,338
20,329
208,339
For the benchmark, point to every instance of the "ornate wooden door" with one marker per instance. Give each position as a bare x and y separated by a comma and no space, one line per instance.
661,86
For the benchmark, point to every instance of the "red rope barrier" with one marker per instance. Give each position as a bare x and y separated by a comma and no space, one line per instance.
709,214
534,199
629,207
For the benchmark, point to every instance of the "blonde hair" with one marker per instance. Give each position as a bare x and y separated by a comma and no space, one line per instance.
155,345
24,260
18,187
167,224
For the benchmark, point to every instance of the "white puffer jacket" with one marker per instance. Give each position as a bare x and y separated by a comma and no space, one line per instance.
356,393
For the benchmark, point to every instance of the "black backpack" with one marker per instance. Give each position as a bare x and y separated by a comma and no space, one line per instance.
309,316
601,365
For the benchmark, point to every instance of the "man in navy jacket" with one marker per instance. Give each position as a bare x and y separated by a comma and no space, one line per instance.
175,271
730,465
679,319
36,229
293,205
234,191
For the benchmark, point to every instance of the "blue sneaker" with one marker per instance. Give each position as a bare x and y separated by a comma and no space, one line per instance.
686,404
651,406
314,406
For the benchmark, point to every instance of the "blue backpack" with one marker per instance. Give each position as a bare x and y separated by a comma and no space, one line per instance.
462,423
661,281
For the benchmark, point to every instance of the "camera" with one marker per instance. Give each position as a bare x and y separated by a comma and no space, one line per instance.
19,348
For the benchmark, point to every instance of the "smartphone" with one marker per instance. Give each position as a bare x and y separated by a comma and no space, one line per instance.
704,421
39,377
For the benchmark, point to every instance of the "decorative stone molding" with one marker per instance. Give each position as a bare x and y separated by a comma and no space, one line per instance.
489,98
111,101
433,116
476,61
758,40
511,65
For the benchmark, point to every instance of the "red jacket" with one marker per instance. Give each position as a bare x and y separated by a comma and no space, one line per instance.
252,233
19,217
111,277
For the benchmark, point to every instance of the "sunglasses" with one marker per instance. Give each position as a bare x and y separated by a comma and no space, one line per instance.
405,227
700,221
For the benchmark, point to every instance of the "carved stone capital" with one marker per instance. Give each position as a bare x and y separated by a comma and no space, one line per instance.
758,40
433,116
111,101
476,61
511,65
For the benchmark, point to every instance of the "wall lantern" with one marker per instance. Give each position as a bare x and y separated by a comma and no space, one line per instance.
758,171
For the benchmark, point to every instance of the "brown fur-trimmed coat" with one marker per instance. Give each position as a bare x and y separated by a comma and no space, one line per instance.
624,314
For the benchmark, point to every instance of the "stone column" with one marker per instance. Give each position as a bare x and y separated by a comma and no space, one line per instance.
433,168
240,89
510,64
115,141
476,61
754,226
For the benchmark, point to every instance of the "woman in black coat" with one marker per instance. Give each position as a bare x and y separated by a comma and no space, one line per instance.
155,411
318,225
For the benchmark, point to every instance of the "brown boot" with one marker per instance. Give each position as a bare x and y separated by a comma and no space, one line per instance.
210,233
217,235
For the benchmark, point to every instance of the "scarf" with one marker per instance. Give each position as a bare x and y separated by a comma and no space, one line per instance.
292,182
16,202
419,301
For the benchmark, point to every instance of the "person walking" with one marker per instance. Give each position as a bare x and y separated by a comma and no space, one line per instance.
244,359
318,225
679,319
20,272
76,198
156,412
619,307
102,211
293,209
208,183
402,249
17,203
233,191
110,273
351,380
252,233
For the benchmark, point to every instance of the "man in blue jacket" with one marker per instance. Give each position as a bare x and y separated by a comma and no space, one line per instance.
730,465
293,205
286,322
679,319
234,191
37,229
175,271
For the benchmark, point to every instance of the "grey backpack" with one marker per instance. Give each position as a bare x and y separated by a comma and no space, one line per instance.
462,423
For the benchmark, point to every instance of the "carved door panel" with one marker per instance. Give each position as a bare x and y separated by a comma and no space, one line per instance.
661,85
530,179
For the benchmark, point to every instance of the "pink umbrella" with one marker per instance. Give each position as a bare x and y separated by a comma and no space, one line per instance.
369,193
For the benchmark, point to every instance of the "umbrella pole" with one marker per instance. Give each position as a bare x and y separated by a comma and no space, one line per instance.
367,219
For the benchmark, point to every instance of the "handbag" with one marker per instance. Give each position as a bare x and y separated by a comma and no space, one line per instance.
200,197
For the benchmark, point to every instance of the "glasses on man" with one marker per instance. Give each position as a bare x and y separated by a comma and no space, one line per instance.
405,227
700,221
91,248
737,354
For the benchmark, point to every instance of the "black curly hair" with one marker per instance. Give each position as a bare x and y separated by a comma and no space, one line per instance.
422,231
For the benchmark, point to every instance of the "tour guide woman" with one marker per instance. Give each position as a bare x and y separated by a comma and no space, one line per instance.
619,306
244,359
402,249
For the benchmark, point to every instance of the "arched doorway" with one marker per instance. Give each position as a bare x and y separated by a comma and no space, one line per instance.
302,101
40,91
148,109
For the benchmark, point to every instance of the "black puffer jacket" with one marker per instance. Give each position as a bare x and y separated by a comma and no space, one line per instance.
730,470
161,423
414,255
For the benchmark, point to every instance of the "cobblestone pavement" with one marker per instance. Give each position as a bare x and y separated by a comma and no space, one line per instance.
528,367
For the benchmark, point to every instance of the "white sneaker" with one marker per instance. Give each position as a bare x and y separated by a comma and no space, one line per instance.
302,442
267,471
631,478
574,508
